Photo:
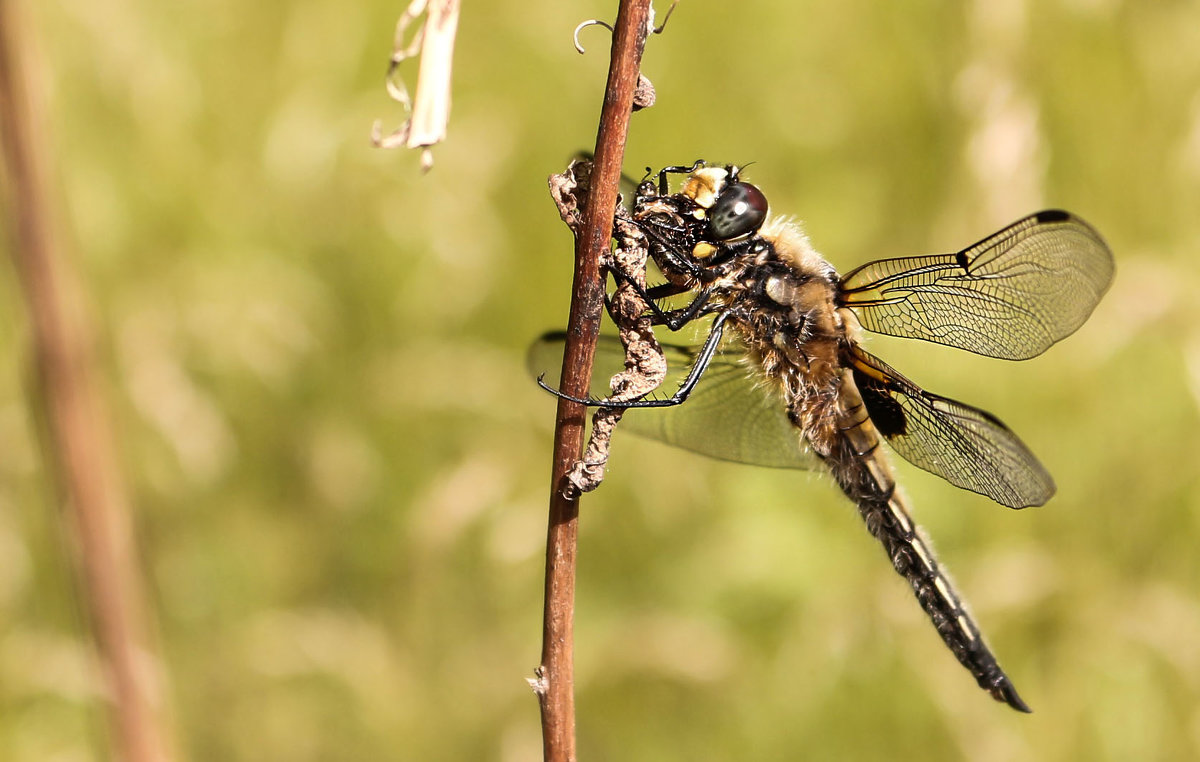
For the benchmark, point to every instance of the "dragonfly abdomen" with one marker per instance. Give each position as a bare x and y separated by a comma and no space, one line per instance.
863,473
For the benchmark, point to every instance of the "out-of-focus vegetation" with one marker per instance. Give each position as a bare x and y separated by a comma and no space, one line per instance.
339,465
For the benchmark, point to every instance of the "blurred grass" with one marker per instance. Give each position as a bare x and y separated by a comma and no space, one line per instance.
340,466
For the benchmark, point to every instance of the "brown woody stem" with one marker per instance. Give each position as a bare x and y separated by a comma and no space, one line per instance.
555,676
78,438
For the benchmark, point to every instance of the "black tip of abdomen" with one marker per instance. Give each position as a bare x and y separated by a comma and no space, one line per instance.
1004,691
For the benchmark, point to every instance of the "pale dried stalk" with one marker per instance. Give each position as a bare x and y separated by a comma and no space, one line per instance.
430,111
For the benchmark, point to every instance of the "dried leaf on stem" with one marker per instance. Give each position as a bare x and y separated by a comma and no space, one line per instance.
645,365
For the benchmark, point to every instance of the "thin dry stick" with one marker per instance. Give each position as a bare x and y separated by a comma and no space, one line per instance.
555,676
81,445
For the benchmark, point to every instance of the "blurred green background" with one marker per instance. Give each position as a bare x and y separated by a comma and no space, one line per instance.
340,468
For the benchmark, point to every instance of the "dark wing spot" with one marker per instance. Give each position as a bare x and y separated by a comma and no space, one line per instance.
885,411
961,258
1052,215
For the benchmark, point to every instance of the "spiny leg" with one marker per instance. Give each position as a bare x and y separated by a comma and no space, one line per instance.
672,319
707,352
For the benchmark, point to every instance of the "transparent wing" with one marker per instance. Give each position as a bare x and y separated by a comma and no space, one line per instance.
964,445
731,414
1011,295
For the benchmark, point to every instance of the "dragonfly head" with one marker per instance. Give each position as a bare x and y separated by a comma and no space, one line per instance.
733,208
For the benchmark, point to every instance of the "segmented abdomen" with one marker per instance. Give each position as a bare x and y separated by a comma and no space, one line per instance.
864,475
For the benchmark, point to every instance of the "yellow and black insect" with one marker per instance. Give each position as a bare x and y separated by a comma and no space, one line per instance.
796,389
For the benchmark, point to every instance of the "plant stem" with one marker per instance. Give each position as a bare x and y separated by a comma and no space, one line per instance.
555,683
78,438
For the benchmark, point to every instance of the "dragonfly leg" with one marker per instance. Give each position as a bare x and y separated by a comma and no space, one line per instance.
672,319
676,319
663,188
669,256
663,291
699,365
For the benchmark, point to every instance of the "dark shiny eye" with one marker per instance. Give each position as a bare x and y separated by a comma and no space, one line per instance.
738,211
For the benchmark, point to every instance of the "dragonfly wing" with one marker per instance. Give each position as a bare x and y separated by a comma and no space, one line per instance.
731,414
1011,295
964,445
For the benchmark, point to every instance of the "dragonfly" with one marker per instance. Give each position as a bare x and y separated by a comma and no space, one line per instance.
783,380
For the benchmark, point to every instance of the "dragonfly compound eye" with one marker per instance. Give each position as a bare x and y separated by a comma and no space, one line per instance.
738,211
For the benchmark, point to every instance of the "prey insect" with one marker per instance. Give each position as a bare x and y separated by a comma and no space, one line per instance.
783,380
